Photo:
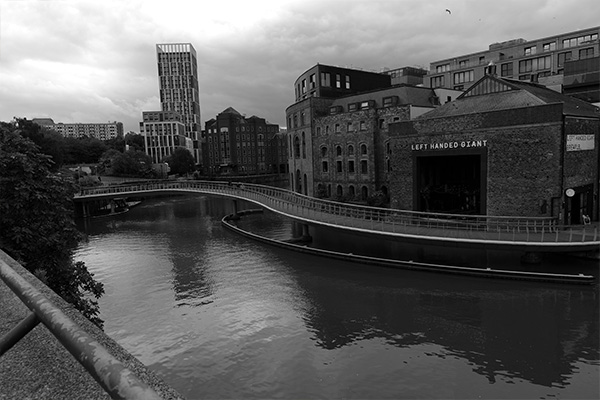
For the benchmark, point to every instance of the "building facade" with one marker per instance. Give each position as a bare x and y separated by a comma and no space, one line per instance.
179,89
504,147
236,144
567,63
337,134
163,132
100,131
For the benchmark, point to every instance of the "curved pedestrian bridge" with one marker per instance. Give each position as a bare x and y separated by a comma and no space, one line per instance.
498,232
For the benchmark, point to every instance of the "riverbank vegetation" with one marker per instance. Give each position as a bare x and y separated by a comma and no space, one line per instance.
36,219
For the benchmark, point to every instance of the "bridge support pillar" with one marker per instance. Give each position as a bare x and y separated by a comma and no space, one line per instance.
531,257
112,206
85,209
305,234
235,215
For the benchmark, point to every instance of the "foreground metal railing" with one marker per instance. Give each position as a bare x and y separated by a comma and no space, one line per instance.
118,381
502,228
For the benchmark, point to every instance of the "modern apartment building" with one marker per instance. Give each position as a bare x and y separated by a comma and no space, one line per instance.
178,87
163,132
236,144
100,131
567,63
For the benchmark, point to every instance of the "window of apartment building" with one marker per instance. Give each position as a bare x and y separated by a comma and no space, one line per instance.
363,149
335,109
381,123
364,167
529,51
325,166
338,81
352,107
362,126
506,69
295,122
576,41
325,79
535,64
442,68
462,63
324,151
549,46
563,57
481,60
338,165
586,53
318,130
351,166
302,119
312,81
437,81
326,129
462,77
337,128
365,105
347,81
338,151
350,150
349,127
303,86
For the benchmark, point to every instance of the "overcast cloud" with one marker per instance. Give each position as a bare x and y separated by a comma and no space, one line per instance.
95,61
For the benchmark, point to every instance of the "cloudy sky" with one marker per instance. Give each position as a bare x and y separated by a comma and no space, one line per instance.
95,61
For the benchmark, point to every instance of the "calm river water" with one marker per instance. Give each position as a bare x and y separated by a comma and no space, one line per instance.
217,315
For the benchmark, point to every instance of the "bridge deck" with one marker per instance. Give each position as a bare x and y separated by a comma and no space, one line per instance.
518,233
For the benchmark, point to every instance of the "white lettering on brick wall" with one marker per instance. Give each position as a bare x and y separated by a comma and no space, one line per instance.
463,144
580,142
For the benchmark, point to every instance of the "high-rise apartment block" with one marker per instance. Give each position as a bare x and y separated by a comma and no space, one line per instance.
179,93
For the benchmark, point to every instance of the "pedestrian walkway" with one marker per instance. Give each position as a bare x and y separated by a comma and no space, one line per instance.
39,367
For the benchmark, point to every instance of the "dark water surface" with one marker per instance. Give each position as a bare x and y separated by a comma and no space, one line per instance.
217,315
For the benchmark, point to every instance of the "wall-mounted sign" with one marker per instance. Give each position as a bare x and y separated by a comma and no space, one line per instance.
463,144
580,142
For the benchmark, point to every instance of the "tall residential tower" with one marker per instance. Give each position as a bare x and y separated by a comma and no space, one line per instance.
178,85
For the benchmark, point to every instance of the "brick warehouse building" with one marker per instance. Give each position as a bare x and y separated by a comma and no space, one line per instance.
504,147
337,111
236,144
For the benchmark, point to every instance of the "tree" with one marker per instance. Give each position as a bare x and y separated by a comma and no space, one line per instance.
36,216
49,141
181,161
132,163
135,141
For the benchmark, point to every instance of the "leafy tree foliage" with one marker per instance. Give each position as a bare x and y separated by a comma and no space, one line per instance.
135,141
181,161
36,220
130,163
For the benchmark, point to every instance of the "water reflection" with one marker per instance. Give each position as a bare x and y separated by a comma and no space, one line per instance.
532,331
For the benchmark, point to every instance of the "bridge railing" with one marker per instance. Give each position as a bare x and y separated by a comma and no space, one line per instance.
371,218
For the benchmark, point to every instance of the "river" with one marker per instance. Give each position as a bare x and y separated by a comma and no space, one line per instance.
217,315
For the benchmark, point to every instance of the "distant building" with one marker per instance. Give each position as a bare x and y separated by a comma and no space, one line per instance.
178,88
100,131
567,63
163,132
504,147
236,144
